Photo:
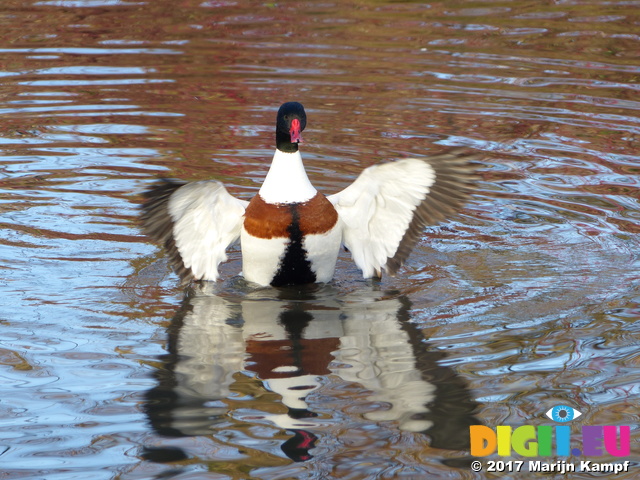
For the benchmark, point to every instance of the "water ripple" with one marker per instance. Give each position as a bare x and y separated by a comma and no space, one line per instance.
527,300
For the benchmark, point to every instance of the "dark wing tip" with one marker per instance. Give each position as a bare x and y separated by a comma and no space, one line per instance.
158,225
456,179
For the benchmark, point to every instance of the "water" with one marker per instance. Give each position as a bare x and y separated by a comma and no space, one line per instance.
529,299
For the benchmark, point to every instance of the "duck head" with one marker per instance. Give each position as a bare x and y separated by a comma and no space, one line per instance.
290,123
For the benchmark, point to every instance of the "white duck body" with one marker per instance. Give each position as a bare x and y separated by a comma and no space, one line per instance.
279,246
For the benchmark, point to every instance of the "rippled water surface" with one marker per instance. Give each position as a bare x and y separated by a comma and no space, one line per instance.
529,299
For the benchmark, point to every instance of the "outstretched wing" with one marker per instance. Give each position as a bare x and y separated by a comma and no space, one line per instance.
385,210
195,222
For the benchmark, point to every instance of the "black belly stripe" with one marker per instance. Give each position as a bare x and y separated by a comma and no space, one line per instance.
295,267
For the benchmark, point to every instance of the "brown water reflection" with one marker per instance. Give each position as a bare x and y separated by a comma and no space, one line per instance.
528,300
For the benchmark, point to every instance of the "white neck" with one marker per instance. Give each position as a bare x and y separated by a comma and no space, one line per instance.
286,181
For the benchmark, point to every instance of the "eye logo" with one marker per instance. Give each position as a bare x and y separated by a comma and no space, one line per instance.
563,413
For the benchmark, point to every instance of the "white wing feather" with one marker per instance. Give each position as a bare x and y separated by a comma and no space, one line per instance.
378,207
207,219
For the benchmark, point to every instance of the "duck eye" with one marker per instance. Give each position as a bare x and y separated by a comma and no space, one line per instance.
563,413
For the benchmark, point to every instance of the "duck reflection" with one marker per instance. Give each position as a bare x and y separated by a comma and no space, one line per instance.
276,347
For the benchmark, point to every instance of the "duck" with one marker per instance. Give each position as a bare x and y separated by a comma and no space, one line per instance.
292,234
